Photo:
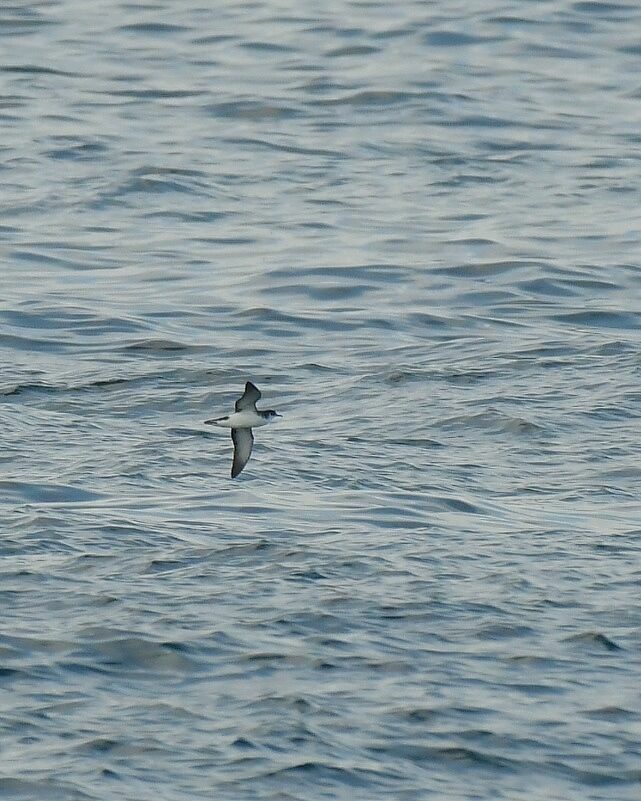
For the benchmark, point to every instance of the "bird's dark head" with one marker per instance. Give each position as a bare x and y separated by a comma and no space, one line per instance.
270,414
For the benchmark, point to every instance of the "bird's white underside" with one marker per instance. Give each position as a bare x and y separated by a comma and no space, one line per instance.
245,419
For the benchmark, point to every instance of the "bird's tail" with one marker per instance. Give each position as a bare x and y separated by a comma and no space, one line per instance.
215,422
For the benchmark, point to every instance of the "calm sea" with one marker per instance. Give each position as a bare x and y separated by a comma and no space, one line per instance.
416,226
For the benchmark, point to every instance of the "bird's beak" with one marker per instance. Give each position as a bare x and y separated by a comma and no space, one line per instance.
277,415
208,422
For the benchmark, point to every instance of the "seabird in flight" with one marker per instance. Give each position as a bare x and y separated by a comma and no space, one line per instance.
241,422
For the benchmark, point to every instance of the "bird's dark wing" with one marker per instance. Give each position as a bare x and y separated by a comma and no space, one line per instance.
248,398
243,440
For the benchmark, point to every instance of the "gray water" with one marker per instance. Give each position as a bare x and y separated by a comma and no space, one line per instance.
416,227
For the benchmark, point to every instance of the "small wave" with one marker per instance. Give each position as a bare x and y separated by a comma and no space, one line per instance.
601,319
159,180
372,99
48,493
130,653
46,789
75,149
614,713
488,269
159,346
594,638
35,69
253,110
493,421
266,47
153,28
352,50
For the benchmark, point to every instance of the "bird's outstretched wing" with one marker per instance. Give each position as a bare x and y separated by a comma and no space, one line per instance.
248,398
243,440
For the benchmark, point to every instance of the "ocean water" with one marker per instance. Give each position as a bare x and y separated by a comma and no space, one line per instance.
416,227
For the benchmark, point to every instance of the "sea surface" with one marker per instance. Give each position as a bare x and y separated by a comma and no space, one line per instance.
416,226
